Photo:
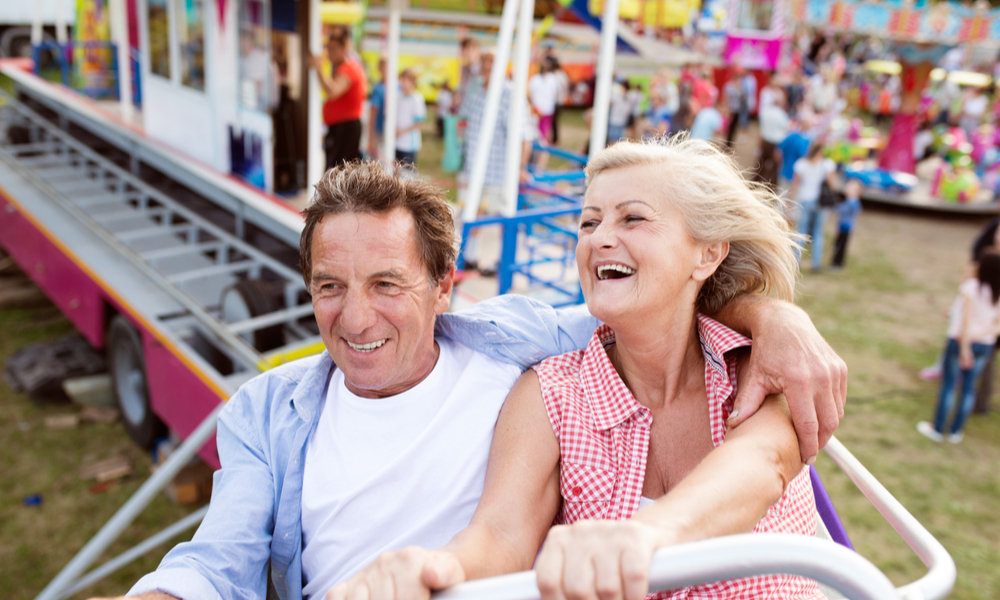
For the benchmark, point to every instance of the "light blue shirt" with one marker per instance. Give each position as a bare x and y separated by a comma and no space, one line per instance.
263,433
708,121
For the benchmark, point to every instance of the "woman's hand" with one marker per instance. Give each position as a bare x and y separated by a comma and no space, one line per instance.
966,359
407,574
597,560
316,62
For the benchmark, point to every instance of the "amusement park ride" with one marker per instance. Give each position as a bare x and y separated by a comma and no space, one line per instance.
149,222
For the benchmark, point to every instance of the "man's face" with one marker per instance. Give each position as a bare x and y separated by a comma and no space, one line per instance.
374,301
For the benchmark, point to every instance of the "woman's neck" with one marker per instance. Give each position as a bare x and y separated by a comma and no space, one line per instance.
658,360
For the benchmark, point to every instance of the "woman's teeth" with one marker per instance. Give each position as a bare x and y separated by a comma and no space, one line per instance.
611,271
366,347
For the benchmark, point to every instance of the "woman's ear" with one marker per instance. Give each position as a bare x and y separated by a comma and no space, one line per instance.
712,256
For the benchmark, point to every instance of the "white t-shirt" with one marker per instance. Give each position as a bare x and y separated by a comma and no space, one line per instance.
774,123
444,102
412,110
621,108
811,176
975,106
983,315
544,92
383,474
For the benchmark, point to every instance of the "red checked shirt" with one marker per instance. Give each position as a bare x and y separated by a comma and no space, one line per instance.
603,435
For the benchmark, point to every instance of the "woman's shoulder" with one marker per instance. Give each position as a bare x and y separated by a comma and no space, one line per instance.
562,368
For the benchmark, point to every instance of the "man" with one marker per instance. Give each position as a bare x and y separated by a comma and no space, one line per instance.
345,89
376,113
471,59
708,124
473,109
738,103
792,148
774,123
381,442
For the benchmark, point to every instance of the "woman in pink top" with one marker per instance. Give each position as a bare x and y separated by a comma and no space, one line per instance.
972,333
625,444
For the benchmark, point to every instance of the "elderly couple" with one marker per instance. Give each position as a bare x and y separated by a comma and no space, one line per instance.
417,452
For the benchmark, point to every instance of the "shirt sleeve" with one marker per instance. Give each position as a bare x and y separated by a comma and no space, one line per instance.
519,330
228,556
421,108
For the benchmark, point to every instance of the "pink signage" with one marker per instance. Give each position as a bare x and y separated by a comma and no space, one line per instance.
753,53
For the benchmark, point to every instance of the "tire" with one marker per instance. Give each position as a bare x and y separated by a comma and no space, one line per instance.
127,363
250,298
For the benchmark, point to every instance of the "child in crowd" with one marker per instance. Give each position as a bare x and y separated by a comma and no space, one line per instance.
411,113
847,211
444,105
972,332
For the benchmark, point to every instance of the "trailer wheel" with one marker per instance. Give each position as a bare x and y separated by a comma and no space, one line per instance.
250,298
128,376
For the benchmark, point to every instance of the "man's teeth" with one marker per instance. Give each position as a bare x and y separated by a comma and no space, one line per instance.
603,270
366,347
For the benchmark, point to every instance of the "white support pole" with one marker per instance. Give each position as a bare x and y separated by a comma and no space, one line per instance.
61,35
316,156
605,76
391,108
119,35
178,459
498,76
36,24
515,127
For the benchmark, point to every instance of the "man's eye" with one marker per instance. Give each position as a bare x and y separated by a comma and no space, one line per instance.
385,285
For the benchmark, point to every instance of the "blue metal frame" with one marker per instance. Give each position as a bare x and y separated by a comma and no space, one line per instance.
536,227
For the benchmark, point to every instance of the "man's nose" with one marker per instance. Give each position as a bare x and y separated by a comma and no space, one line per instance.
358,313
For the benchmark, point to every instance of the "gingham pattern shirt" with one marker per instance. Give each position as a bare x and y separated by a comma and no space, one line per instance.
472,109
603,435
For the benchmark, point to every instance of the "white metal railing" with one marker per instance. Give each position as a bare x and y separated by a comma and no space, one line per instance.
673,567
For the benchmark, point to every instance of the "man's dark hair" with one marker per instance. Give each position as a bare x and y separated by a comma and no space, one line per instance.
366,187
468,41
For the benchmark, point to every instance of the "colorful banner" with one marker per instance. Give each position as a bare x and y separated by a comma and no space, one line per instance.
947,23
753,53
93,59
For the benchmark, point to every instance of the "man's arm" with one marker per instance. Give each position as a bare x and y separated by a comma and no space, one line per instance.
229,553
789,357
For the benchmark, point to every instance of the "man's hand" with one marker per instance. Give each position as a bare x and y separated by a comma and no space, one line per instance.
407,574
146,596
790,357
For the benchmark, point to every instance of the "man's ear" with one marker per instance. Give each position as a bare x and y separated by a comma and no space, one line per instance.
712,256
443,290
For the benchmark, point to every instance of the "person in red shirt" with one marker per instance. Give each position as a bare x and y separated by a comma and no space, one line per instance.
345,86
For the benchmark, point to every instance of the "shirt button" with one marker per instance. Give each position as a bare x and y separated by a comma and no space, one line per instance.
577,491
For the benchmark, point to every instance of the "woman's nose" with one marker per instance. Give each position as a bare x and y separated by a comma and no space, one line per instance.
604,236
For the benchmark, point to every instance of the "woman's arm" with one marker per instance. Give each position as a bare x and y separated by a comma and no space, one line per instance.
519,502
966,360
727,493
333,86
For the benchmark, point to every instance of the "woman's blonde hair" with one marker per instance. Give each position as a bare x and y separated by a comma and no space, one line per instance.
718,205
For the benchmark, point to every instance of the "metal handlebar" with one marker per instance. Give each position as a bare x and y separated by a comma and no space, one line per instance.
721,558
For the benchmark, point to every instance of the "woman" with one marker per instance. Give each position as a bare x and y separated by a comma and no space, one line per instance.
630,431
972,334
810,172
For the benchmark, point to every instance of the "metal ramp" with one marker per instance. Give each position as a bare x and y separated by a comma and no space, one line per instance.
193,260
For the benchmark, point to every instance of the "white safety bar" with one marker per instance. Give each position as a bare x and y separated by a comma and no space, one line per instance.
757,554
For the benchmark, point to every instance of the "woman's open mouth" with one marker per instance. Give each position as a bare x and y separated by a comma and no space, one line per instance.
614,271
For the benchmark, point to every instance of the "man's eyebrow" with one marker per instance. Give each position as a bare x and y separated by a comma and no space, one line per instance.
322,276
389,274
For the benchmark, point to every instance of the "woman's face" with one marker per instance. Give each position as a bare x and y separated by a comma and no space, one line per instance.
634,255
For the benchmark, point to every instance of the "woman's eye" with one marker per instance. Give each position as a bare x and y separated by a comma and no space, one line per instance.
634,219
588,224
